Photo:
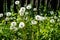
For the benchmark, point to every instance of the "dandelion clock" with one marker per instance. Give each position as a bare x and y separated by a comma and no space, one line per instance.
21,24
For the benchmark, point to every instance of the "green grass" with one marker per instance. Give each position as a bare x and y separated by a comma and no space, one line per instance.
43,30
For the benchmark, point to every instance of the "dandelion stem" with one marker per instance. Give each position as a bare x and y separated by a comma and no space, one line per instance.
26,2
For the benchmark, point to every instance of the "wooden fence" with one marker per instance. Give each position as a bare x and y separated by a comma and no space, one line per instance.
5,4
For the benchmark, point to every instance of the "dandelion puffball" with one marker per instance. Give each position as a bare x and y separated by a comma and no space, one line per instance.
52,21
1,15
13,28
51,12
8,14
22,11
6,19
29,6
21,24
17,2
13,24
33,22
38,17
35,9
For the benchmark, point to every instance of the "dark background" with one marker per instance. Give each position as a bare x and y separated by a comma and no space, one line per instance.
53,4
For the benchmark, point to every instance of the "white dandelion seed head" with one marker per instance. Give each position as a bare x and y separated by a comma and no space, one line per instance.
22,11
38,17
33,22
21,14
29,6
1,14
13,28
35,9
51,12
8,14
6,19
55,17
52,21
17,2
13,24
21,24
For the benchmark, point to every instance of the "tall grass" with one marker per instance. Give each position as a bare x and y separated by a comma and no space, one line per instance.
29,23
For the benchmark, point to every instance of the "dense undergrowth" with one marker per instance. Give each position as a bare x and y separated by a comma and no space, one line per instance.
28,24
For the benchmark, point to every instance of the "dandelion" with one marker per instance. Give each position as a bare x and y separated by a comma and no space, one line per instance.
51,12
35,9
38,17
8,14
55,17
13,24
21,24
13,28
33,22
6,19
21,14
17,2
1,14
22,11
52,21
29,6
